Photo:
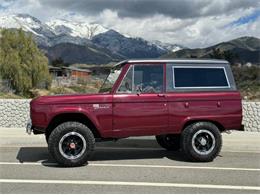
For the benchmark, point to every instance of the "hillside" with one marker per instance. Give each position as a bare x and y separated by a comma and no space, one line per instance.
73,53
246,49
127,46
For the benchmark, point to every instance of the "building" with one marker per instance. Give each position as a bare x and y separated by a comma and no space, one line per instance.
69,72
67,76
77,73
55,71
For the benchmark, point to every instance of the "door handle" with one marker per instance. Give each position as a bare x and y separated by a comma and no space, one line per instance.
161,95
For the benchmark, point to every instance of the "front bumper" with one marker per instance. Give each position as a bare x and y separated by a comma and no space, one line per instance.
29,127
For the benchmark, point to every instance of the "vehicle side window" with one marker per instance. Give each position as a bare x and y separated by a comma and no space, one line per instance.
143,79
127,83
200,77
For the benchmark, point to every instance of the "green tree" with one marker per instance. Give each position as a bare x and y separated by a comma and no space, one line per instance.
217,53
22,64
226,54
58,62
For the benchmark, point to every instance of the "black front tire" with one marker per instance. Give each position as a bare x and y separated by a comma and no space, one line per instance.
201,141
169,142
84,135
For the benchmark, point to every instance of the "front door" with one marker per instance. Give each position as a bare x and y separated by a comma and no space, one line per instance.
139,104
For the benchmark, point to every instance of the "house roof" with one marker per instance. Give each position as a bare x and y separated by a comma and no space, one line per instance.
54,68
77,69
68,68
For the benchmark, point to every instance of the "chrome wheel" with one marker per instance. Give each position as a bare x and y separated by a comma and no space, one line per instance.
72,145
203,142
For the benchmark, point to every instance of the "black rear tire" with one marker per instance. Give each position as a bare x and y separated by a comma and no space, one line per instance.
71,144
201,141
169,142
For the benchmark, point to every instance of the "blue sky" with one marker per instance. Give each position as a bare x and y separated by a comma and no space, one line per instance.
197,23
246,19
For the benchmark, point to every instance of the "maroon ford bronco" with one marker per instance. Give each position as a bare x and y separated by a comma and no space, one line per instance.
186,104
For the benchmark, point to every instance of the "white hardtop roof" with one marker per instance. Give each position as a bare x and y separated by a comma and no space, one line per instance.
180,60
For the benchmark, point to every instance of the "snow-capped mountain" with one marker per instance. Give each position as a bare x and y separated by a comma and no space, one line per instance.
76,29
24,21
61,31
52,33
59,35
39,30
168,46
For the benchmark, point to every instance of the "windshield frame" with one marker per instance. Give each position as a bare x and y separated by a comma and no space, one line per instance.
116,67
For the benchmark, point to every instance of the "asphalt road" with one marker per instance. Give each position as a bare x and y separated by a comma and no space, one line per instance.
136,165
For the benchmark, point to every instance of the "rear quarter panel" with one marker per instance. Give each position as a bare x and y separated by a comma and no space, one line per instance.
223,108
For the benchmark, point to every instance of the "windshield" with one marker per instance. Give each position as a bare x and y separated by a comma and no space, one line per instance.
110,80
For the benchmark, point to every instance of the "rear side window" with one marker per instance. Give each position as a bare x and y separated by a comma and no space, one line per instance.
199,77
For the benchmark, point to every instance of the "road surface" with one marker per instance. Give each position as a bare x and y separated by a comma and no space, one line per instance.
136,165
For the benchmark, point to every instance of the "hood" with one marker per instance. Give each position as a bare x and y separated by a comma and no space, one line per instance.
73,99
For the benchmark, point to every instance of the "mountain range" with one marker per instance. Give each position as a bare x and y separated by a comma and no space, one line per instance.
81,42
245,49
91,43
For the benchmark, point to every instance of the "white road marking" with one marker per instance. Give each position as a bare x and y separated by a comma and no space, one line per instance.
242,151
176,167
161,149
28,163
151,184
139,166
17,136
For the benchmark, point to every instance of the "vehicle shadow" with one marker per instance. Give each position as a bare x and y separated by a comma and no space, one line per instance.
105,152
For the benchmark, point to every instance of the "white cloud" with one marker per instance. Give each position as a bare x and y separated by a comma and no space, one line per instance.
209,27
197,32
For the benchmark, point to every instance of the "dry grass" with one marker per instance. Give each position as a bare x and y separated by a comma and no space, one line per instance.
9,96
